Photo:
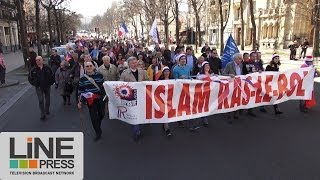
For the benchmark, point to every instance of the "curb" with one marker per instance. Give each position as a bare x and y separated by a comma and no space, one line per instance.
22,74
10,103
11,83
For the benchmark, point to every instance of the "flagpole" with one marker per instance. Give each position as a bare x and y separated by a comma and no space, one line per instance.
158,36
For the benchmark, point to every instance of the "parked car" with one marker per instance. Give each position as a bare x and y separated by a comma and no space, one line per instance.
62,51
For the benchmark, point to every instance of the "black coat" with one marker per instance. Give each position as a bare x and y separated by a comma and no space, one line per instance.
46,75
215,64
32,58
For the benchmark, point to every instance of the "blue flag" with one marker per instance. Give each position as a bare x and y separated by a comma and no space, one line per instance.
230,49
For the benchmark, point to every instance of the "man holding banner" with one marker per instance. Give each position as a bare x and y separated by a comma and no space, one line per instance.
134,74
232,69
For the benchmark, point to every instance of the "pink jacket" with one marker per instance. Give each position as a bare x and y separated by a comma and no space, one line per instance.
2,63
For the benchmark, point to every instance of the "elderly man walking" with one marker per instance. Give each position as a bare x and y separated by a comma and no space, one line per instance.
41,77
134,74
109,71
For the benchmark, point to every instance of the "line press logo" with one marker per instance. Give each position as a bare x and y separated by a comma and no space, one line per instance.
39,155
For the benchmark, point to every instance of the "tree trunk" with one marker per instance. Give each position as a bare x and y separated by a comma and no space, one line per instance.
254,27
50,28
58,39
198,29
62,31
142,24
166,30
38,30
22,29
221,28
316,30
177,21
135,29
242,25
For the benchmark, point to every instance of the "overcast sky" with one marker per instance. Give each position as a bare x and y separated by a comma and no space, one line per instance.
90,8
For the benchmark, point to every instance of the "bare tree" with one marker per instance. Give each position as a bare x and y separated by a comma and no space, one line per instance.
242,24
176,14
196,6
254,26
49,5
166,6
96,22
38,29
57,26
22,29
223,26
150,11
132,9
142,26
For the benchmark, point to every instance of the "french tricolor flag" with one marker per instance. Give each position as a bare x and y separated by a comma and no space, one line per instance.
122,30
90,97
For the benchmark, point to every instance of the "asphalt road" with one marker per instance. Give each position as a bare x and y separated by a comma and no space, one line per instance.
262,148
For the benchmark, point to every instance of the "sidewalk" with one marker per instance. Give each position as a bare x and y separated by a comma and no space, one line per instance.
11,94
13,60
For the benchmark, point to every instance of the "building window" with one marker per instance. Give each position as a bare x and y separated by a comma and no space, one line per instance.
238,13
6,30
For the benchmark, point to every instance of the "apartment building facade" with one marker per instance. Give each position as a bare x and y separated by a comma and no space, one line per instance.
278,22
8,26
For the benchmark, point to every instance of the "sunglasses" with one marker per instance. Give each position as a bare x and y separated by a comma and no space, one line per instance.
89,66
38,59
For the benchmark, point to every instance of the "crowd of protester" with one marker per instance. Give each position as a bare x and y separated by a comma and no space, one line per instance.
92,62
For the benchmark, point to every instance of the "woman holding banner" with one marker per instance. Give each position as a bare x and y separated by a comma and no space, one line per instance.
304,105
166,75
274,66
205,74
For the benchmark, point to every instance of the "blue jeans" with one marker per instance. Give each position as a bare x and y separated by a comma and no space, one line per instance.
136,129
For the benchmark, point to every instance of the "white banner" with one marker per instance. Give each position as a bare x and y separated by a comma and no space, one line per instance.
175,100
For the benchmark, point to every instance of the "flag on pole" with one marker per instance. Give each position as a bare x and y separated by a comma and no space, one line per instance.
230,49
122,30
154,32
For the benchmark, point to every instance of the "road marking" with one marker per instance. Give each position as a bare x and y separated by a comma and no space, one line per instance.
11,102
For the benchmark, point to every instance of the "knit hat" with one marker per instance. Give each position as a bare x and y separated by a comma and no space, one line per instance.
308,59
204,63
275,55
180,56
166,68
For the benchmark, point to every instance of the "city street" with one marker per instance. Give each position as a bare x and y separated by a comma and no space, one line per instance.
266,147
163,61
